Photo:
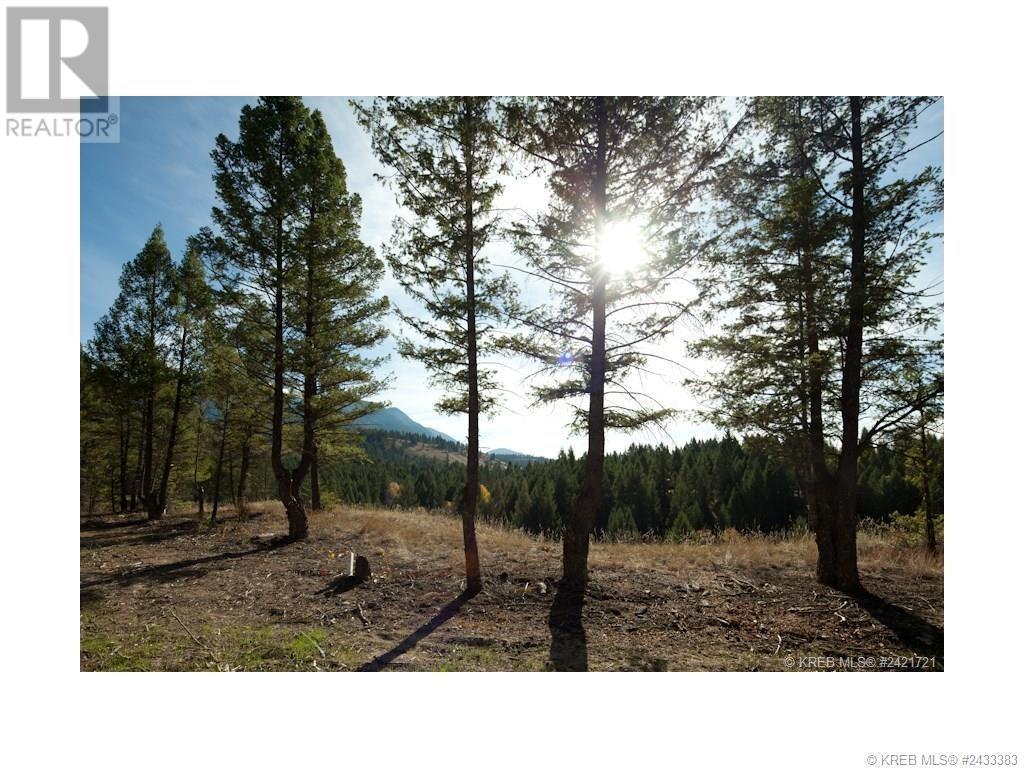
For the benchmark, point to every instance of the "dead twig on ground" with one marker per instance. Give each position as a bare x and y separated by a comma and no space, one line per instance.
809,609
743,583
315,644
195,639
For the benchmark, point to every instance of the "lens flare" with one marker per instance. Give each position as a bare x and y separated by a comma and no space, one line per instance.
621,248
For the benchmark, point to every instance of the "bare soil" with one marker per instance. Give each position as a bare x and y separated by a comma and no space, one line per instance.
180,595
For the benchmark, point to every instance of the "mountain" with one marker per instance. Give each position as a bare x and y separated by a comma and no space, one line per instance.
396,420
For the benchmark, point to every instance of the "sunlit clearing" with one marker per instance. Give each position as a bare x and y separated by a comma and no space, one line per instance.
622,248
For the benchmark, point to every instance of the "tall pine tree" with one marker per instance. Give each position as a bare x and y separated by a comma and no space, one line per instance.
444,153
623,172
814,275
134,339
288,259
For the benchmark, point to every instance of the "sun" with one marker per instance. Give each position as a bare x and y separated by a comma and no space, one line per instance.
622,247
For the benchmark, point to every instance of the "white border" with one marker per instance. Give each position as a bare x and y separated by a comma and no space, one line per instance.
216,47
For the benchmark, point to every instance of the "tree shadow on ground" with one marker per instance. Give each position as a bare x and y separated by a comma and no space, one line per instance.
446,613
568,638
140,534
105,524
918,634
167,571
341,584
89,597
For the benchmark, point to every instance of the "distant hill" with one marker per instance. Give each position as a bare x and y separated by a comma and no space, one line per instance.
396,420
513,457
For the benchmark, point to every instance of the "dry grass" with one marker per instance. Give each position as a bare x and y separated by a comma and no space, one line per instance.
874,550
412,530
176,594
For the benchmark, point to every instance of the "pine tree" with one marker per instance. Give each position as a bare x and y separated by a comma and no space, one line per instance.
918,442
334,308
621,522
545,512
822,239
444,153
255,252
249,332
106,412
238,403
623,172
131,342
110,400
190,301
287,258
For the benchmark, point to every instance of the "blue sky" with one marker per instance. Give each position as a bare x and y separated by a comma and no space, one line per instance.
160,172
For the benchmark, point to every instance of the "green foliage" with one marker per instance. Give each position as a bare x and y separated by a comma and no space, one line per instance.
826,338
272,356
633,163
332,304
445,156
707,485
909,530
621,522
277,348
138,353
778,273
296,284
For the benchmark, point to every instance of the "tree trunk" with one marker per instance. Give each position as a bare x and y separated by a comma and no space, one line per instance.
843,573
137,474
124,427
298,527
161,504
199,443
926,490
298,522
243,477
113,496
819,486
314,481
474,582
576,538
820,512
148,501
148,468
220,467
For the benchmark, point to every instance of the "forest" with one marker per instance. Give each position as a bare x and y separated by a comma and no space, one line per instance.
223,387
651,492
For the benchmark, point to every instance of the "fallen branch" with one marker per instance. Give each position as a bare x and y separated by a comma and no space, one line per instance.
195,639
315,643
809,609
743,583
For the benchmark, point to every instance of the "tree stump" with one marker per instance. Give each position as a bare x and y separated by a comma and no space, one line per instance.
358,567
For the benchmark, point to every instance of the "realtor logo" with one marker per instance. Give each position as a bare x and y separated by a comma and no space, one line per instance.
57,60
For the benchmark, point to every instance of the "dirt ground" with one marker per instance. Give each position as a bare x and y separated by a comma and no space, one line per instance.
177,595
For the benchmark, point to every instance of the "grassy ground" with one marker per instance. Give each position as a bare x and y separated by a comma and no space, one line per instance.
177,595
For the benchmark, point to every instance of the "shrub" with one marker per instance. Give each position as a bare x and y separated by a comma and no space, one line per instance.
909,530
